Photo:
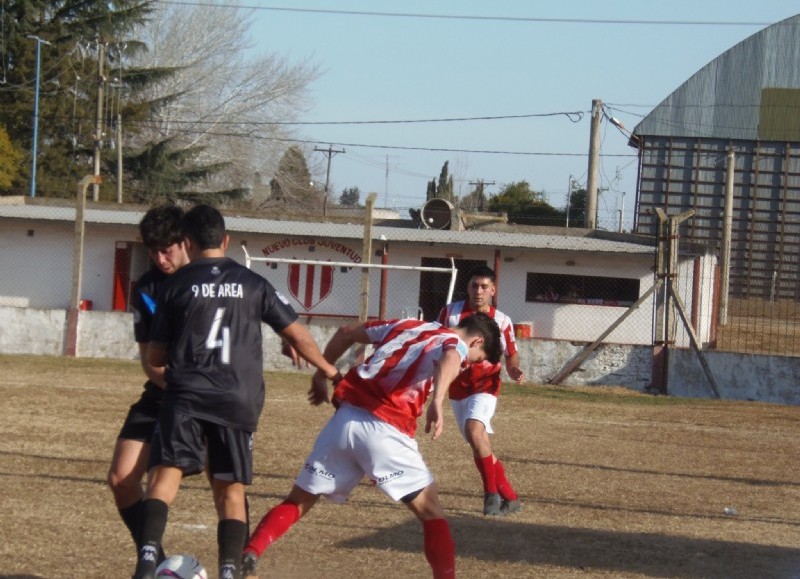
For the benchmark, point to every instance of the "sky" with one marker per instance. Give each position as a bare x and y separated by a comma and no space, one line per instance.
523,72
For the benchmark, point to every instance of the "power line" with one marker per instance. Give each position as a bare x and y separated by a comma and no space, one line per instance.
574,116
416,15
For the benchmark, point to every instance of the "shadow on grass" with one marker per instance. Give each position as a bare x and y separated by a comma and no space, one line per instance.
649,554
595,467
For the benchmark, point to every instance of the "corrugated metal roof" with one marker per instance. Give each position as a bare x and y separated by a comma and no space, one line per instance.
569,240
724,98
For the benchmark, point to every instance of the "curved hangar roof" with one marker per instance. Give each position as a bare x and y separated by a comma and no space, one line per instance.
750,92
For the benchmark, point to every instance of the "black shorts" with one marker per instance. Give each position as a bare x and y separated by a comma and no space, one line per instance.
143,415
183,441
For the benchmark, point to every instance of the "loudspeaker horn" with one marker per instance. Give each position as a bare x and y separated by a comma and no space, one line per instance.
437,214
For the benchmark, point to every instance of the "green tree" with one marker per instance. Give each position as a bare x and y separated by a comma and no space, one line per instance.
525,206
292,181
350,197
577,208
10,160
79,40
444,188
72,37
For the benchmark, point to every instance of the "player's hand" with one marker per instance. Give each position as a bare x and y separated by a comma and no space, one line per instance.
318,393
289,352
516,374
434,420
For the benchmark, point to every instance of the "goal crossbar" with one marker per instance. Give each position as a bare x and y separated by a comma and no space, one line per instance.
452,270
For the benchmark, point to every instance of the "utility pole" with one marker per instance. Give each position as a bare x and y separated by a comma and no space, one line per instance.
600,191
594,165
479,186
119,158
98,118
329,152
569,198
727,228
39,43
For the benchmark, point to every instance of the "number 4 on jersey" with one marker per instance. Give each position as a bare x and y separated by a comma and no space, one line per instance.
224,343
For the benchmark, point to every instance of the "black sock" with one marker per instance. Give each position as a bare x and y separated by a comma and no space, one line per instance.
130,516
231,539
151,531
247,516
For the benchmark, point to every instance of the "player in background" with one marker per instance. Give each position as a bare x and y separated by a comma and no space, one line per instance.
473,395
372,431
161,233
207,334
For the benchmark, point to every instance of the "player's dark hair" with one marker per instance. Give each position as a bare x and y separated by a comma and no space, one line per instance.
205,226
483,271
482,325
161,226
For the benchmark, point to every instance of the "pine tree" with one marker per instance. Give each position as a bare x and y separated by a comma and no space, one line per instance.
292,182
444,188
71,36
350,197
79,40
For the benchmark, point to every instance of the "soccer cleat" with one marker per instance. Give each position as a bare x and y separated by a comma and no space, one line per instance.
508,507
491,504
249,562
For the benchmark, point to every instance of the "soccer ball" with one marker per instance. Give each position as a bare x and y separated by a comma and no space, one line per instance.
181,567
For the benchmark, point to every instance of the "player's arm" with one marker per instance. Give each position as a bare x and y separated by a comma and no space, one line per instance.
154,373
291,353
157,358
513,369
345,337
339,343
447,370
299,338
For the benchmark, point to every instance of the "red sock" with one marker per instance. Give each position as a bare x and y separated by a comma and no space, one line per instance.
274,524
503,486
486,468
440,551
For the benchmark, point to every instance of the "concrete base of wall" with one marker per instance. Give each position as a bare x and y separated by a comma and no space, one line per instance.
738,376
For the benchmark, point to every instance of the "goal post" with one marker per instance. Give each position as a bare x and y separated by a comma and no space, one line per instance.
323,288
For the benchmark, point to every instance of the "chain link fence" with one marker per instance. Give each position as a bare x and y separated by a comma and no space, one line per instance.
580,296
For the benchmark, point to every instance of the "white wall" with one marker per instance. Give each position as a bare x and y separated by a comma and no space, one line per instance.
739,376
37,260
41,276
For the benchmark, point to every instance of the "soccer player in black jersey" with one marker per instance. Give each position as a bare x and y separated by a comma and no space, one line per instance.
161,233
207,333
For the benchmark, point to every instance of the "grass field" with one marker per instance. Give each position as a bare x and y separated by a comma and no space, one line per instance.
613,483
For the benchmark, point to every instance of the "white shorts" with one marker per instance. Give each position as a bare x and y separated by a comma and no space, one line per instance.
355,444
478,407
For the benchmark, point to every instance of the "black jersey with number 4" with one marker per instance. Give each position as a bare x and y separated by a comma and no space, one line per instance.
209,315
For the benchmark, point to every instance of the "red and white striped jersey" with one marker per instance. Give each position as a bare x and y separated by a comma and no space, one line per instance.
396,380
481,376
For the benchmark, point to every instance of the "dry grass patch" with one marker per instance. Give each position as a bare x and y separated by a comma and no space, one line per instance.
614,484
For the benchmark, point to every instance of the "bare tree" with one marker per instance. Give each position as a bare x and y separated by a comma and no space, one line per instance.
232,103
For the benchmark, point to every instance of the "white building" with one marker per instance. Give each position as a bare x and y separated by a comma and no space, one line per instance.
596,275
36,250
